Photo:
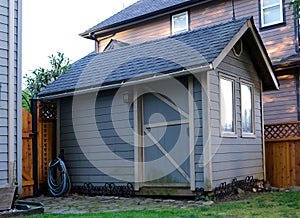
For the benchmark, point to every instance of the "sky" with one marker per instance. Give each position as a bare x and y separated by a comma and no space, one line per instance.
50,26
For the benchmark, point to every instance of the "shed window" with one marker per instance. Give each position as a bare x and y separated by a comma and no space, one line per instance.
247,103
271,12
227,101
180,23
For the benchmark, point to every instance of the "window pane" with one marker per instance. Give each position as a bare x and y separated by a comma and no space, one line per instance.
270,2
247,109
272,15
180,23
227,105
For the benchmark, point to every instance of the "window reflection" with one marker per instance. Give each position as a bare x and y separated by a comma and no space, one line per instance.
247,108
227,105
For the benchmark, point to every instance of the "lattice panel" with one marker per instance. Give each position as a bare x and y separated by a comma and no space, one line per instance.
48,111
282,130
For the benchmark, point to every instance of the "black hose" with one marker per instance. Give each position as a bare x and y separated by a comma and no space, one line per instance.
59,182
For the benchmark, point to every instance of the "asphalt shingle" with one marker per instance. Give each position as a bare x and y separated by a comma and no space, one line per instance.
182,51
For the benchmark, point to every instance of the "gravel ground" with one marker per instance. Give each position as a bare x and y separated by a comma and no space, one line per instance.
76,204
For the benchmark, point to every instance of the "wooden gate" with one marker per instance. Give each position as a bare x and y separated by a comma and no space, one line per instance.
27,170
45,136
282,143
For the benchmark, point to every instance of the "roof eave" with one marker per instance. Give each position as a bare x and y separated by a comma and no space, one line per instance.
152,78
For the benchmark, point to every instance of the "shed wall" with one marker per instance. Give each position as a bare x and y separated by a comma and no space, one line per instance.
198,120
236,156
89,138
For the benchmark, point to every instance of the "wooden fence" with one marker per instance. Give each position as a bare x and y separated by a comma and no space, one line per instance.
282,144
45,137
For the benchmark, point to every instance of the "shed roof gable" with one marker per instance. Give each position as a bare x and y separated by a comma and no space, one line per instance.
176,53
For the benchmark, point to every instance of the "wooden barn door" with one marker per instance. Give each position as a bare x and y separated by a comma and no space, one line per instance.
166,146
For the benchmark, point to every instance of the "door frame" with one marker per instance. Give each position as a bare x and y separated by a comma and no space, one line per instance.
139,141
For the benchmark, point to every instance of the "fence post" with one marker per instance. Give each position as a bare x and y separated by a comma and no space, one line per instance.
34,108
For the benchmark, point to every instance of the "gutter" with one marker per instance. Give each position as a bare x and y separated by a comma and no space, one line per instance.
131,83
11,94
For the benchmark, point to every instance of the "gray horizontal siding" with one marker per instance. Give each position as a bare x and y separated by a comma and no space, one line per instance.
237,156
116,134
199,176
4,89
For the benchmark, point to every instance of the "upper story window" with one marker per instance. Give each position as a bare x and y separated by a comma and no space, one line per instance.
247,107
227,103
271,12
180,22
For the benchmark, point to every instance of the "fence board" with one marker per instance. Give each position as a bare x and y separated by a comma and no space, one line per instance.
297,163
282,154
27,172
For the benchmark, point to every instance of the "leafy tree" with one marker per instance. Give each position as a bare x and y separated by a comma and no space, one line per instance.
39,78
295,4
26,99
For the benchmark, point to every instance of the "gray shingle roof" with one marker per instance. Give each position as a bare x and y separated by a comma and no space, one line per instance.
137,10
197,47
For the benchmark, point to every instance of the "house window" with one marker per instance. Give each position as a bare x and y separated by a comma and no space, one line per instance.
180,23
247,107
227,103
271,12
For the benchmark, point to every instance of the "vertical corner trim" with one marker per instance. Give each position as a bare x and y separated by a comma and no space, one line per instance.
11,94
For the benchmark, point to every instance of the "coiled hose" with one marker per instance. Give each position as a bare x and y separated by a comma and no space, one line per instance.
59,182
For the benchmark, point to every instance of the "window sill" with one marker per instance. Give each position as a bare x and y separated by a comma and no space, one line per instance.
228,135
272,26
248,135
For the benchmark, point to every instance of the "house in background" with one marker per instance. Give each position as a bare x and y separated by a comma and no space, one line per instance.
10,94
273,19
160,111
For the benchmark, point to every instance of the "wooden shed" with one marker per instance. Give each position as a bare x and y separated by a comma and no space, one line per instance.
179,112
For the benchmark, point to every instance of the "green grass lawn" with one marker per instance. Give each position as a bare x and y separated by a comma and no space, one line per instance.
265,205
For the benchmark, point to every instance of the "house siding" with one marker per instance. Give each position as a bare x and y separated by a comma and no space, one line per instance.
281,106
237,156
279,41
4,106
89,162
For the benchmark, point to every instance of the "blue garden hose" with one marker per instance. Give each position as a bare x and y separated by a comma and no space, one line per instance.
59,182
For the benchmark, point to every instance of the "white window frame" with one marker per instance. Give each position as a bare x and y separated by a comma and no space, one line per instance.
248,134
222,96
173,31
263,8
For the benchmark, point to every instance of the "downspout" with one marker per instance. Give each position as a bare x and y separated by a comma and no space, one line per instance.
263,132
11,94
298,94
34,108
19,99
